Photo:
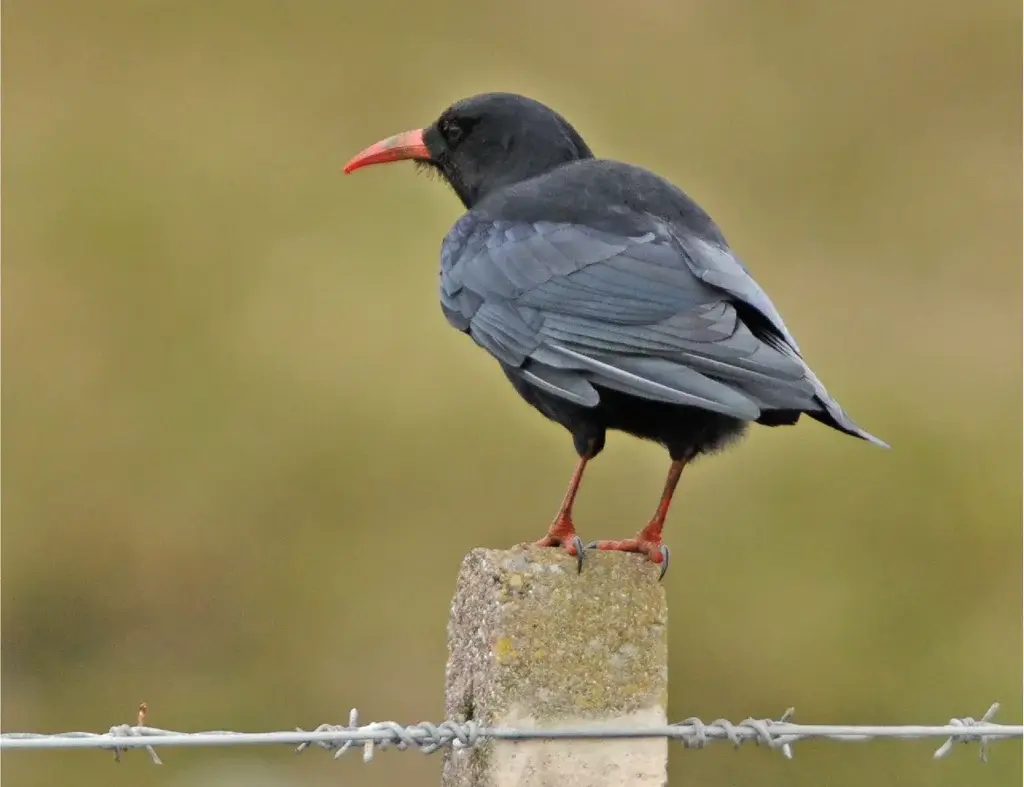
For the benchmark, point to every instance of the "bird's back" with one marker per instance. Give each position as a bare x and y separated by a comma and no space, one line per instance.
603,194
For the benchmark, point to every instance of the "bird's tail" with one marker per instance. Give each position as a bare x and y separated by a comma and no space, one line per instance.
846,425
833,415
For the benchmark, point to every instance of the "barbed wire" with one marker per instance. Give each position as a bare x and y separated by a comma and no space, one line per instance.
428,738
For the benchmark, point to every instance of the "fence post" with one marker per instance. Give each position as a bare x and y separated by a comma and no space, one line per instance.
534,645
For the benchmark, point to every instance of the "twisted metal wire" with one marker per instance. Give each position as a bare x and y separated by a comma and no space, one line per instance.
428,738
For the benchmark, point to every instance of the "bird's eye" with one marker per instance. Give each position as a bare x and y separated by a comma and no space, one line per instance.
452,131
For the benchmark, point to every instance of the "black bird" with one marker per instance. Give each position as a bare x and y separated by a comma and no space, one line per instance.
610,299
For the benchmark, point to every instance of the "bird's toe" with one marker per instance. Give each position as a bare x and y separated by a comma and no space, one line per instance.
655,550
570,542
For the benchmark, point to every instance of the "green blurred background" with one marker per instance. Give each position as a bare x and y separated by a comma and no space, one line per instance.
244,453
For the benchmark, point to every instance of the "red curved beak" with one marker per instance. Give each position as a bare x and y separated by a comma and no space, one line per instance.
407,145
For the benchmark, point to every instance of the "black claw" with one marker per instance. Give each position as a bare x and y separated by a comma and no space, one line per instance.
664,561
592,545
578,543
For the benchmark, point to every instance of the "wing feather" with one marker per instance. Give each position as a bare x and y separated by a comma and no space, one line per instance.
653,314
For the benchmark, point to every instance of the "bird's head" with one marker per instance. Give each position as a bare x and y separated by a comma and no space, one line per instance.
483,143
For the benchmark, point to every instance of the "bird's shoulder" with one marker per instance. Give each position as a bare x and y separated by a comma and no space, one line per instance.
603,194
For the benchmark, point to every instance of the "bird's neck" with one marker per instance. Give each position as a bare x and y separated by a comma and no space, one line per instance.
474,186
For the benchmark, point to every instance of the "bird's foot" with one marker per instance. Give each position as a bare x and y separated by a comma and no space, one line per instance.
563,533
644,544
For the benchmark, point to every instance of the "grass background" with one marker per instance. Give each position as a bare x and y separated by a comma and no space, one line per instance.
222,360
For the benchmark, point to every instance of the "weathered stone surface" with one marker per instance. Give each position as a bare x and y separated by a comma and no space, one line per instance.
533,644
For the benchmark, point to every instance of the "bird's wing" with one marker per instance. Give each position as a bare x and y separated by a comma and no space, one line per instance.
573,307
716,265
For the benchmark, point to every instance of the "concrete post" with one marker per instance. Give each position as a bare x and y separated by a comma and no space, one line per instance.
534,645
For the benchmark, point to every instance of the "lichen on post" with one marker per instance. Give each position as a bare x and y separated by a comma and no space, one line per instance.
533,644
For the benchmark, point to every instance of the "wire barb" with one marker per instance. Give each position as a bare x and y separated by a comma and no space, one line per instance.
128,731
428,738
967,723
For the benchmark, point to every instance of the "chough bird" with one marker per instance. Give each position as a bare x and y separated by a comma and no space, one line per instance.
609,298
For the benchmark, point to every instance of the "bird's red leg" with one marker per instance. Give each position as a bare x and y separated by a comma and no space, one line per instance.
562,531
648,541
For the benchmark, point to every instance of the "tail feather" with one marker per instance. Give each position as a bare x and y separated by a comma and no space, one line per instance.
846,425
834,415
